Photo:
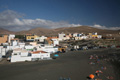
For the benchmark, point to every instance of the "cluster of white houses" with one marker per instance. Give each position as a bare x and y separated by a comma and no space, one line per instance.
79,36
24,55
22,51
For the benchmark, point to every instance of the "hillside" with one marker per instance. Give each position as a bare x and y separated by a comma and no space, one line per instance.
86,29
4,31
37,31
80,29
51,32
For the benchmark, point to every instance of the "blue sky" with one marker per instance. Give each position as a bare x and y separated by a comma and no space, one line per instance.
103,13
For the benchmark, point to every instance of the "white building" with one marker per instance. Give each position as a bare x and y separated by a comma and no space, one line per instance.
55,42
48,48
61,36
94,33
81,37
20,55
29,47
33,43
14,42
11,36
40,55
67,37
77,38
76,47
0,56
21,45
75,34
99,36
41,39
5,44
84,37
3,51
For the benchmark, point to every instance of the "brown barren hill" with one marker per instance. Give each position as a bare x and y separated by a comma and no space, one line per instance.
53,32
37,31
85,29
4,31
79,29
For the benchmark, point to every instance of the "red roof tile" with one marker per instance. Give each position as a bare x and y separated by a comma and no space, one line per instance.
36,52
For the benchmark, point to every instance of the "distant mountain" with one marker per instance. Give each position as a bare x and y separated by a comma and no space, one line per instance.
4,31
37,31
51,32
85,30
80,29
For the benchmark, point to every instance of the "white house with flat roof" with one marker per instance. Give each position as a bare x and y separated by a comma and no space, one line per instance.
20,55
55,42
11,36
21,45
61,36
29,47
75,34
40,39
3,51
14,42
47,48
99,36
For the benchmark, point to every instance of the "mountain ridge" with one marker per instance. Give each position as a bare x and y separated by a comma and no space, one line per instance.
52,32
5,31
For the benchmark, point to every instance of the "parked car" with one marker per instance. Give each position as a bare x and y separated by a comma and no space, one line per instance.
85,48
55,56
90,47
117,46
79,49
72,50
58,52
95,47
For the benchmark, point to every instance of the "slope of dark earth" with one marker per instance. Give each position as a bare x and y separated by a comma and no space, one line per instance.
74,65
80,29
51,32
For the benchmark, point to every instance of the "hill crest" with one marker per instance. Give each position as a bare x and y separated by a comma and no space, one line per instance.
51,32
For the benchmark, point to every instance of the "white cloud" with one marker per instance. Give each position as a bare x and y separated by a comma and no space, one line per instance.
13,21
104,27
114,28
99,26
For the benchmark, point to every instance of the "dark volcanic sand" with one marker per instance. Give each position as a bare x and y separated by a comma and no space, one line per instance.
72,65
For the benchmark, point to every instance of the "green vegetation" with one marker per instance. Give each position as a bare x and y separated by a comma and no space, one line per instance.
29,49
19,36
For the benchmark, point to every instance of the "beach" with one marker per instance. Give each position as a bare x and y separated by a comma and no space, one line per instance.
72,64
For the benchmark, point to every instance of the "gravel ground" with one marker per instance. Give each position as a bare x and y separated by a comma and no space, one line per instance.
74,65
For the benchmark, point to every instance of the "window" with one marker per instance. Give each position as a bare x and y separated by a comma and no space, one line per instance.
15,53
29,54
19,53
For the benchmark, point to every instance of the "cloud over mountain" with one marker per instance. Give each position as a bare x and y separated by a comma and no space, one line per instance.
14,21
104,27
